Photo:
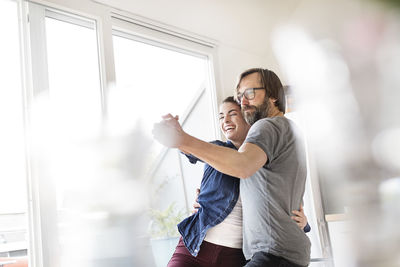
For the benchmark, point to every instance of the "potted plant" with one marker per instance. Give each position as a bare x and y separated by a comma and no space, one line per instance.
164,232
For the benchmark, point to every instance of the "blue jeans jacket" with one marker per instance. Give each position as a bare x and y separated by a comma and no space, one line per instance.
218,195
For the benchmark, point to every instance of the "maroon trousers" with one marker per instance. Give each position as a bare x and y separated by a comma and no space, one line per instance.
210,255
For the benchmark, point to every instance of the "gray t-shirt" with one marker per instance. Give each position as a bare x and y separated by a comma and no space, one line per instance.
269,195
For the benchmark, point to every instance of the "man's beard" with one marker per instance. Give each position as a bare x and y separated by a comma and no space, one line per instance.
260,112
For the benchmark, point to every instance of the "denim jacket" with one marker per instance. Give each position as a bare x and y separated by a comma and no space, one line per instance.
218,195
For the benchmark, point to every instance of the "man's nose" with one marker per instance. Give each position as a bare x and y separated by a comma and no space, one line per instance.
244,101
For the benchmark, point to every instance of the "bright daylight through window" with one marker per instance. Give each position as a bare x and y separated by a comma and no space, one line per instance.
13,180
152,80
94,171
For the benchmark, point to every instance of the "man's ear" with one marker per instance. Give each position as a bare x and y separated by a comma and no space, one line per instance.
272,102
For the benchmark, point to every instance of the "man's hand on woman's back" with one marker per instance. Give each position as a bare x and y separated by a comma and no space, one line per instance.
196,204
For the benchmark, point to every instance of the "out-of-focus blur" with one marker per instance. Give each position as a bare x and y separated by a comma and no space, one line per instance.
101,198
82,183
343,59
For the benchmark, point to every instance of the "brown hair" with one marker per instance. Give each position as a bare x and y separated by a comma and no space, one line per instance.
230,99
272,84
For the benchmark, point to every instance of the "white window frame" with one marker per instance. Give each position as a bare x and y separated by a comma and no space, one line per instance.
42,211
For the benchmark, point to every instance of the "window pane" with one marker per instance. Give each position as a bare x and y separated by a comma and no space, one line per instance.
153,80
159,80
13,197
73,123
73,77
75,95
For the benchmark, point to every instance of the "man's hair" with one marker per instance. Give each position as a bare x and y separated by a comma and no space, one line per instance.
272,84
230,99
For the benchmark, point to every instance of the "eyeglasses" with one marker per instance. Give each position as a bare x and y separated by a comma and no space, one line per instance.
249,94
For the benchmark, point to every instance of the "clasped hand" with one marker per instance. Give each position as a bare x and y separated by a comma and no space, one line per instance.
169,132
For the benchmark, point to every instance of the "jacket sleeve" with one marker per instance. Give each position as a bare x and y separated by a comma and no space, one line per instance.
307,228
192,159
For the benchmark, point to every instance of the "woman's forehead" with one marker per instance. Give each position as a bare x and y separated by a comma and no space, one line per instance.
227,106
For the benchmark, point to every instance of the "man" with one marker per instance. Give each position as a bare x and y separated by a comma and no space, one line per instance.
271,163
213,236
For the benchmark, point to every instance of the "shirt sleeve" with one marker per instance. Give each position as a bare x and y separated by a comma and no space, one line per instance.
266,136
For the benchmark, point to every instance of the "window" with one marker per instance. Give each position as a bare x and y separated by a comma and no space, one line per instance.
66,119
97,176
154,78
76,113
94,157
73,71
152,81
